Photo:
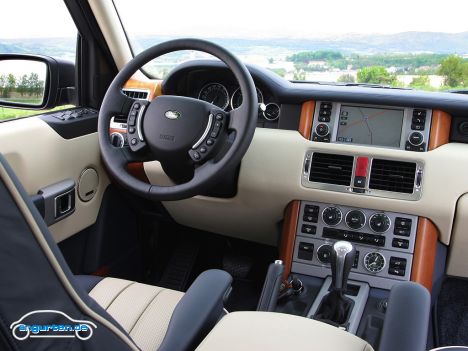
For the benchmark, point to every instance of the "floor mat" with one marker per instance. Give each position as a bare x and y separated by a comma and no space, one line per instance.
452,313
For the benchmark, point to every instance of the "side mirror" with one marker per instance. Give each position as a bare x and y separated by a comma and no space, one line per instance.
35,82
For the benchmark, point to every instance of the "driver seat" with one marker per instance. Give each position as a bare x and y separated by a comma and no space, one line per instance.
123,315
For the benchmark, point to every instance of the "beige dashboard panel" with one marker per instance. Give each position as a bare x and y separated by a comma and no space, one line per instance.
457,262
40,157
270,177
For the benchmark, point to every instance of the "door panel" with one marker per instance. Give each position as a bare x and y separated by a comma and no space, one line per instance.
41,157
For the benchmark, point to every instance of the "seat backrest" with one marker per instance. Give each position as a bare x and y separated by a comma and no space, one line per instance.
38,288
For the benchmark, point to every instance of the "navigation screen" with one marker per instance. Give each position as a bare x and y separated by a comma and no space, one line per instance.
370,126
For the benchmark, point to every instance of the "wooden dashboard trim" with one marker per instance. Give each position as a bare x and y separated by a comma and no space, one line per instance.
424,253
307,118
153,86
440,129
288,236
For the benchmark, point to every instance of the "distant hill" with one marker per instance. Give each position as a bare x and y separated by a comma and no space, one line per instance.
406,42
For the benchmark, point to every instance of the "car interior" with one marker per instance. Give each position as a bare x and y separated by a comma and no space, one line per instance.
224,207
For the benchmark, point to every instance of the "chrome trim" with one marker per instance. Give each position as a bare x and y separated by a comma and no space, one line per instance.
318,249
222,86
414,196
117,125
139,121
259,92
370,218
342,249
341,216
205,133
120,136
279,112
365,219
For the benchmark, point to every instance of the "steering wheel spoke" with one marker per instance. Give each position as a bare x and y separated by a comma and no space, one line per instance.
237,118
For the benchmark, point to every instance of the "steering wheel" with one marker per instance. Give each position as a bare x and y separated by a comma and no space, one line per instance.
196,142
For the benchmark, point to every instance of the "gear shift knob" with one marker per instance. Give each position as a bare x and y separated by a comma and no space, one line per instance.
342,259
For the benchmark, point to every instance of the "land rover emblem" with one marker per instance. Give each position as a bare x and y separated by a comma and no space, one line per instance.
172,114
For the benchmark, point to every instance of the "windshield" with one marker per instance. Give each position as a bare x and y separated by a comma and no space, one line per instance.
404,44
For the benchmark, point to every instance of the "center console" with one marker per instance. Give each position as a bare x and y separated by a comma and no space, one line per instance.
384,242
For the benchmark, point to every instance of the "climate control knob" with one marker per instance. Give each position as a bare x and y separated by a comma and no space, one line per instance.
355,219
379,222
332,216
324,253
322,130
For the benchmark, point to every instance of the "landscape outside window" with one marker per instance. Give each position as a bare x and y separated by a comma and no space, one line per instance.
400,43
23,31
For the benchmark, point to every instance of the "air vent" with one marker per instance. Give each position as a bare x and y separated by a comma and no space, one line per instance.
392,176
136,94
120,119
331,169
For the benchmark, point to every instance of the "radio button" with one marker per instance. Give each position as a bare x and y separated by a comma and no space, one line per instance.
322,129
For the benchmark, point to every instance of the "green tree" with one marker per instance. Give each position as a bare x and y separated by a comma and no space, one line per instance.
376,75
421,82
2,85
299,75
455,71
10,85
346,78
23,84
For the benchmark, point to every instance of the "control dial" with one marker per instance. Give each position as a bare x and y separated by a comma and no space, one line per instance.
332,216
379,222
355,219
374,262
324,253
416,138
322,130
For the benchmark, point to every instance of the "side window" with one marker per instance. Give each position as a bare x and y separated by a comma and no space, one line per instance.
46,28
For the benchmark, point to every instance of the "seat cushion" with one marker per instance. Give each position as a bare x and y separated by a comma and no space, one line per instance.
278,332
144,311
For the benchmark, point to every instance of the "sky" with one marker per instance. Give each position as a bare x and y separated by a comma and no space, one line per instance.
244,18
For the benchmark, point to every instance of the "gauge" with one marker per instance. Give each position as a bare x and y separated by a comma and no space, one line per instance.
355,219
272,111
332,216
379,222
215,94
374,262
236,99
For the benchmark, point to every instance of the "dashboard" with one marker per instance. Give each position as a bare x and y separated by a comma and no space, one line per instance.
401,154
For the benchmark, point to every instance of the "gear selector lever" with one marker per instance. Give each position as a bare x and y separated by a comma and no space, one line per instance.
335,307
342,259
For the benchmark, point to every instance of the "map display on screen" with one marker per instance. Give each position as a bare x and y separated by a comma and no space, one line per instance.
370,126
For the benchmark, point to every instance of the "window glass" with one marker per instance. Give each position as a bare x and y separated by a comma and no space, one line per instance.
405,44
32,27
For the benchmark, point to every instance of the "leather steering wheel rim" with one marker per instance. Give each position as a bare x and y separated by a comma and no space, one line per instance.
242,121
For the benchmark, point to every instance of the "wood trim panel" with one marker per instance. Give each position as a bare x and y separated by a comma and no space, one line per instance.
425,253
288,235
306,119
154,86
440,129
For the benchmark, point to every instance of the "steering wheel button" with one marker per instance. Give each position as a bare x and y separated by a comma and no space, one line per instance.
215,132
218,124
210,142
136,106
134,141
196,155
203,149
131,130
219,117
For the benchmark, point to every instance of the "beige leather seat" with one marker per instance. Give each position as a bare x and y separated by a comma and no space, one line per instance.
278,332
144,311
